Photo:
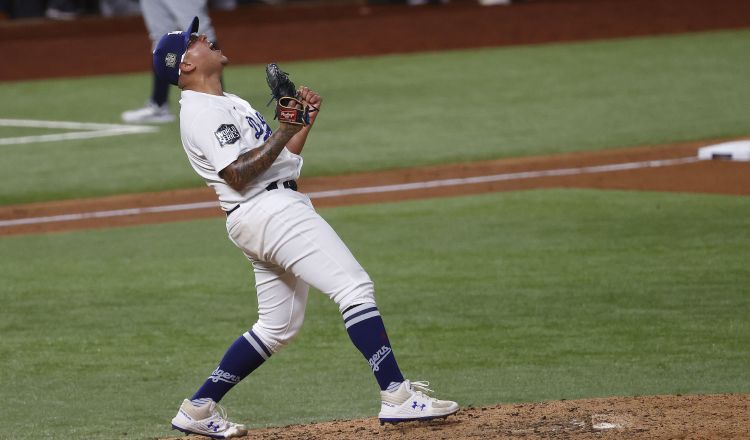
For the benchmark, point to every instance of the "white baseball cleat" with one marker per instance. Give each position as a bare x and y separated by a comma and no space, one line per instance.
150,113
410,402
207,419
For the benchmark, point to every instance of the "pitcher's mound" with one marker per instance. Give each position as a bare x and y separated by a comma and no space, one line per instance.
725,416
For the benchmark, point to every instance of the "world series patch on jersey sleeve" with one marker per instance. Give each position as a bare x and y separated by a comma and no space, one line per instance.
227,134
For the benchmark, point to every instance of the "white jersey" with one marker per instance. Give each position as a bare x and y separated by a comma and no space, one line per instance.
215,130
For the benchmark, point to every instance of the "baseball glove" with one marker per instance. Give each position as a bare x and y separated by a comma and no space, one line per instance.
289,109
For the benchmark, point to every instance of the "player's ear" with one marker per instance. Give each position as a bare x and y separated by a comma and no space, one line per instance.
186,67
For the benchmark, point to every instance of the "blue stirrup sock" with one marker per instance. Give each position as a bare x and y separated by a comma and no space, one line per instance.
245,355
367,332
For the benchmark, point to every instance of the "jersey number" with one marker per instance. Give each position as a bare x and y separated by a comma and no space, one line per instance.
260,126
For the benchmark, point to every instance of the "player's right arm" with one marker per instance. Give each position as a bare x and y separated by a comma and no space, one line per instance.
251,164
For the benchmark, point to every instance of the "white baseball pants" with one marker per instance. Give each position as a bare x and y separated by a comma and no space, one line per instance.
291,247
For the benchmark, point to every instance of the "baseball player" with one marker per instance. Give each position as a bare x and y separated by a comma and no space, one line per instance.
253,170
162,16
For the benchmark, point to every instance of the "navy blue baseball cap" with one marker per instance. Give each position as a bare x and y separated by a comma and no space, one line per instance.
169,52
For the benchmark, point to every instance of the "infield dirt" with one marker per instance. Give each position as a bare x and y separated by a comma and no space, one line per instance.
707,176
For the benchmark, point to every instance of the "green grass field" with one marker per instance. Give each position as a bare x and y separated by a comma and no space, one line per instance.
403,111
504,297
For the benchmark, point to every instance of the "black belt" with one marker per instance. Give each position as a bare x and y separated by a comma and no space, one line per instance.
232,210
289,184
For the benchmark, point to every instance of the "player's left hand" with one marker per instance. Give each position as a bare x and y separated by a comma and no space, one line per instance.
310,98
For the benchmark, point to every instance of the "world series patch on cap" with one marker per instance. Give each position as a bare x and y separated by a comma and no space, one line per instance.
169,52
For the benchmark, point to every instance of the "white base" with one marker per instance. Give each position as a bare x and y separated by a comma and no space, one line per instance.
736,150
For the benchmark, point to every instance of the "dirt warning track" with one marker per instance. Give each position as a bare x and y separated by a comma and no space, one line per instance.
255,34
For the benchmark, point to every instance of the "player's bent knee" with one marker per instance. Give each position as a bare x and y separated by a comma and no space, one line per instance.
277,337
360,293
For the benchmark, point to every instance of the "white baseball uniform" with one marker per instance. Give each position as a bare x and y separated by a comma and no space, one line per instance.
289,245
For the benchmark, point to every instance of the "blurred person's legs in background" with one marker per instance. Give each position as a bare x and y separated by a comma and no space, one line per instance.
62,9
222,5
161,17
114,8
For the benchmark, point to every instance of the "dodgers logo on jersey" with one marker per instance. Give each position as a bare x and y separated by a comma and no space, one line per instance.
260,126
227,134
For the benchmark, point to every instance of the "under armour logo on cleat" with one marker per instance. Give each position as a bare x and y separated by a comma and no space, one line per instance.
421,407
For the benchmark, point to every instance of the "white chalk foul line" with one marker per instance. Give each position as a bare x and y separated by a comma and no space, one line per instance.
91,130
107,214
502,177
365,190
